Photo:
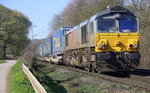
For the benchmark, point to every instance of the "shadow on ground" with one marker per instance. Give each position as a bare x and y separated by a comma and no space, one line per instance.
117,74
51,86
141,72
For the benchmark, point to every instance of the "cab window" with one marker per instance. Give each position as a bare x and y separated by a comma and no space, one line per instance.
128,25
106,25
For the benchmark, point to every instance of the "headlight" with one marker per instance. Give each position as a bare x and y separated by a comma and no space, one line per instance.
135,46
131,46
102,46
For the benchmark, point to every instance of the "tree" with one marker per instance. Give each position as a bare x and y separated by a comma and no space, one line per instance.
13,30
56,22
79,10
31,53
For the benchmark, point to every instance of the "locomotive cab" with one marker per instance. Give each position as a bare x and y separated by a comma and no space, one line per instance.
117,39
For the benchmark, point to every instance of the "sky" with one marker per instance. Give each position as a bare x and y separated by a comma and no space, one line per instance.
39,12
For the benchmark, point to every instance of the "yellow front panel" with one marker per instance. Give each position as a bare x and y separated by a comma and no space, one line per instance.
117,42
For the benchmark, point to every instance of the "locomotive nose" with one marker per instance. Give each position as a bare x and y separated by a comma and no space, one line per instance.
117,42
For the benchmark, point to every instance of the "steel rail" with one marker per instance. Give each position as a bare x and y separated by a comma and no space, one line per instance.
140,82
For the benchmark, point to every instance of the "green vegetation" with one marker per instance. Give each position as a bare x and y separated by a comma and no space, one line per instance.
2,61
19,82
50,85
123,86
88,89
13,31
58,80
71,83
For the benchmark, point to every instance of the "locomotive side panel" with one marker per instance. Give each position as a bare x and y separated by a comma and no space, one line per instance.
67,41
91,34
83,37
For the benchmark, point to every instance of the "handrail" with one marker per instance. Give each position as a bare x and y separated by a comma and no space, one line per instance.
35,83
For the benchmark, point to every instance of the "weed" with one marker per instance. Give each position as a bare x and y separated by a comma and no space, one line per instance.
19,82
123,86
51,86
87,89
2,61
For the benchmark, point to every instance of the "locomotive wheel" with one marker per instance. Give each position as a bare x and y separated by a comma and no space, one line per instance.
93,67
125,72
99,72
93,70
88,69
72,66
134,64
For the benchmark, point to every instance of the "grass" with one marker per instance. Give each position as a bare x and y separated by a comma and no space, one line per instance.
71,83
62,82
2,61
19,82
124,86
51,86
57,80
88,89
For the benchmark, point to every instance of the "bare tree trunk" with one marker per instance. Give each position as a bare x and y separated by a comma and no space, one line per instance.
1,52
4,51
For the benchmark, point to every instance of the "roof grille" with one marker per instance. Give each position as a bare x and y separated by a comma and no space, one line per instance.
118,9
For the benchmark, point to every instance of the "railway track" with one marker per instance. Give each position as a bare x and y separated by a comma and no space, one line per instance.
136,81
144,79
139,82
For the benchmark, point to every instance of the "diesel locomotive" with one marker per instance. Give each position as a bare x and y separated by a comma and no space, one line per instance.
107,41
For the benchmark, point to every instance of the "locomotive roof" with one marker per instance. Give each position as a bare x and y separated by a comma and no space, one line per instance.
110,10
115,9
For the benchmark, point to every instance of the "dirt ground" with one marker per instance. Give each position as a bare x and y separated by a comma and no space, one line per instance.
4,70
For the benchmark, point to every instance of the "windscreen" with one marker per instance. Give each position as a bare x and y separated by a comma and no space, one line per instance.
128,25
106,25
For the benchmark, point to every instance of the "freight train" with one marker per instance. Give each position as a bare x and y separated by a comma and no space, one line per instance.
107,41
